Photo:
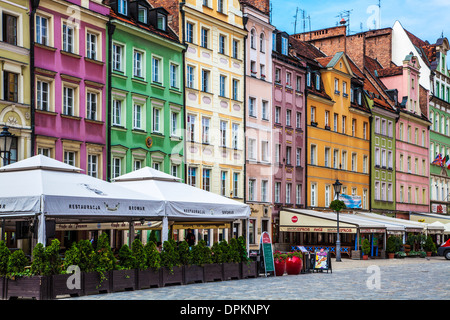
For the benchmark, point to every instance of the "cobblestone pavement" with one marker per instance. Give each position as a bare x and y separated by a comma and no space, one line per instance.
378,279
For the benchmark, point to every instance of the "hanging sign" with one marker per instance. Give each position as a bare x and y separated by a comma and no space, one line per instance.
265,244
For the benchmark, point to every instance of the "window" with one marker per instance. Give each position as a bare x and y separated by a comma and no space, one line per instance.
336,86
174,119
354,164
91,105
156,76
288,117
192,176
235,49
235,89
91,46
42,95
264,151
117,112
9,29
298,123
264,110
142,14
313,195
92,165
344,160
327,195
205,80
277,114
222,44
138,64
116,167
137,164
298,194
222,85
277,152
284,46
206,179
190,77
365,130
161,21
122,7
251,189
344,89
191,127
252,149
298,85
354,127
235,135
204,38
277,75
236,184
70,157
277,192
68,38
11,86
298,161
288,192
313,114
264,184
308,79
262,43
335,122
288,79
205,130
223,183
156,165
313,154
335,159
157,122
327,157
365,163
252,39
223,133
288,156
189,32
117,57
68,101
344,120
137,116
42,30
174,75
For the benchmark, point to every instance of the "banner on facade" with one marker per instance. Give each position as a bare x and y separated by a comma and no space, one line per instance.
351,202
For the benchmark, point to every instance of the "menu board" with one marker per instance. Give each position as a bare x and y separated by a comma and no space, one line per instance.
267,252
321,260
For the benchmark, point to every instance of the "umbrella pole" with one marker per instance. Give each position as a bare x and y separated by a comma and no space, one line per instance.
165,229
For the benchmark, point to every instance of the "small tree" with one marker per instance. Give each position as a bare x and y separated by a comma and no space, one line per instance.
201,253
103,259
16,263
138,252
126,258
337,205
52,258
234,252
169,255
430,246
243,249
4,257
184,253
366,246
38,264
392,244
153,257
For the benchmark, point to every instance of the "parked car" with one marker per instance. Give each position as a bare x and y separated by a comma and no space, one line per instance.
444,250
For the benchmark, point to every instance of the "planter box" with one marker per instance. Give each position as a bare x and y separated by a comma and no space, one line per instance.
123,280
59,286
212,272
35,287
249,270
193,274
149,278
176,277
92,285
231,270
2,287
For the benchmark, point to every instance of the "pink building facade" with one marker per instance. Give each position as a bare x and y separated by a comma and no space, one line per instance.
289,111
259,120
412,162
70,72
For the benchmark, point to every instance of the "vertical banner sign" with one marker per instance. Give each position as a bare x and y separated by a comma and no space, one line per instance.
266,248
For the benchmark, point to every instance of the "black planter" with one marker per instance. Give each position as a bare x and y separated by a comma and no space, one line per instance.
174,277
193,274
149,278
213,272
231,270
35,287
93,284
123,280
59,286
249,270
2,287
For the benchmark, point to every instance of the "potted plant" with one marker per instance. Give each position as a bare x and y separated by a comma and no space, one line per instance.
294,263
211,259
4,257
172,270
149,273
103,262
231,259
430,246
124,276
248,266
400,254
280,263
193,270
366,249
392,246
21,282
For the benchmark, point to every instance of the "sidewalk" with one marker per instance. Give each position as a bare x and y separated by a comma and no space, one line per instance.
351,264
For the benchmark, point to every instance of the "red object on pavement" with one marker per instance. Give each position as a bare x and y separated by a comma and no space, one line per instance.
293,265
280,268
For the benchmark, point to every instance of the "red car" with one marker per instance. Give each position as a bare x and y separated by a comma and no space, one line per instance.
444,250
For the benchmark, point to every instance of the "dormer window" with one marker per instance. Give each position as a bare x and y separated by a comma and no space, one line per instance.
142,14
284,46
161,21
122,7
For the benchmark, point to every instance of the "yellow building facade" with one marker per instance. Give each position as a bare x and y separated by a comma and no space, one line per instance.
15,112
338,133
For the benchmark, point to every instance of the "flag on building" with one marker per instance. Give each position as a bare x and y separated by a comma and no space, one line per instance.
437,160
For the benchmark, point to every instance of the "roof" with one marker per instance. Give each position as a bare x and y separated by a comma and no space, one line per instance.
390,72
306,50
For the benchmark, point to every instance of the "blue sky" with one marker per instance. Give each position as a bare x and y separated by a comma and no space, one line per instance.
427,19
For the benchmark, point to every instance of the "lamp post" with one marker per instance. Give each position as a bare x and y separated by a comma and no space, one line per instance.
6,139
337,190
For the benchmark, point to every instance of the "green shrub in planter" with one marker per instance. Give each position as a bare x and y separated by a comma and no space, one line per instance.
4,257
103,259
46,261
393,244
217,254
152,256
234,251
201,254
184,253
169,255
138,252
16,264
430,246
243,250
366,246
126,258
80,254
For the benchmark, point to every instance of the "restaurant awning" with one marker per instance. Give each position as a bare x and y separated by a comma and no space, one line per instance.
301,220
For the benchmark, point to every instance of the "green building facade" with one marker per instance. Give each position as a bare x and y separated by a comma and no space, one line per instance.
146,93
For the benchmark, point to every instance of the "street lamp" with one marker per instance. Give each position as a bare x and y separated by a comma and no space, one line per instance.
6,139
337,190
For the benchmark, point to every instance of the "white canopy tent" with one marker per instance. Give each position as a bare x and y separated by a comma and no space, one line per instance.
46,188
183,202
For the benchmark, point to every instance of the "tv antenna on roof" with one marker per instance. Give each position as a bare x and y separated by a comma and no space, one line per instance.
345,19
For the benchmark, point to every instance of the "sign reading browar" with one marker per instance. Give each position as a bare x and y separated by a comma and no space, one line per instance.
351,202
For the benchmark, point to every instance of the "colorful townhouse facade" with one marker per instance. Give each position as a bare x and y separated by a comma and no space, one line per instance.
69,78
258,118
15,94
288,133
146,97
412,140
439,117
338,139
